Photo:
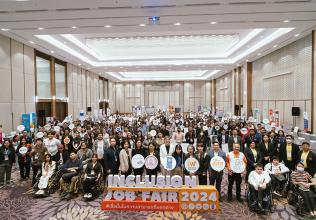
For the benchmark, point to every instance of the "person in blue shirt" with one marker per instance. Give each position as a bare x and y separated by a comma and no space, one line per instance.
178,155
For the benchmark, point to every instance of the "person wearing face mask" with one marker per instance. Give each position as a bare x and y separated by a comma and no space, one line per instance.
178,136
302,179
308,158
258,183
288,153
7,159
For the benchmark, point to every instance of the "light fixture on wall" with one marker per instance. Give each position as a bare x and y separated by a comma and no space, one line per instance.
213,22
5,29
54,97
107,26
36,98
40,28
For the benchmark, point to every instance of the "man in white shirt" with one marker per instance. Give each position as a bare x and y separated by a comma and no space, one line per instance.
165,150
277,173
52,143
258,182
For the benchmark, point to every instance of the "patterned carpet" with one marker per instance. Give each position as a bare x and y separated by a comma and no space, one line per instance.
17,203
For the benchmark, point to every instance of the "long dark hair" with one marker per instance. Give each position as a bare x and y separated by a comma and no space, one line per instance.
178,146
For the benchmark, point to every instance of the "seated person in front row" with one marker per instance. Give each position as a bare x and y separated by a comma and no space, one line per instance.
69,180
93,173
277,173
303,180
48,169
258,183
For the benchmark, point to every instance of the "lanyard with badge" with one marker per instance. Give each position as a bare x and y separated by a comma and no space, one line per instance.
6,154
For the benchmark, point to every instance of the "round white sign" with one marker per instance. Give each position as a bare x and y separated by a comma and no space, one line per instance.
237,165
23,150
138,161
169,163
191,165
225,127
56,129
217,163
265,121
20,128
151,162
40,135
153,133
71,126
205,128
244,131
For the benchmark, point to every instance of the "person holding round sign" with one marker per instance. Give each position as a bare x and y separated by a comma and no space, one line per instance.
216,166
191,163
139,160
125,159
152,161
178,156
24,159
236,164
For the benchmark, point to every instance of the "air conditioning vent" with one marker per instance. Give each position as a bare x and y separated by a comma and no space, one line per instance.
26,11
110,8
159,6
247,3
288,2
202,4
73,9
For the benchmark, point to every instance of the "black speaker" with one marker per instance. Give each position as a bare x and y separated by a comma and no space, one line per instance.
295,111
89,109
41,113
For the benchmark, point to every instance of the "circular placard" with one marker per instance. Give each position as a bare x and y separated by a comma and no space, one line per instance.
57,129
217,128
265,121
151,162
138,161
40,135
169,163
191,165
66,140
47,127
244,131
23,150
20,128
237,165
217,163
225,127
205,128
153,133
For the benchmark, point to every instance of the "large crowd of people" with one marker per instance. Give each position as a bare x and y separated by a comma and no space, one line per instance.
76,156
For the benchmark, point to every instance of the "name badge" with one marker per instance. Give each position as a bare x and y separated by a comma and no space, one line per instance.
92,172
36,157
6,157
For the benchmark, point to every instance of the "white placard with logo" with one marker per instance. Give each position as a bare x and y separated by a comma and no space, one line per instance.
191,165
138,161
237,165
217,163
23,150
225,148
151,162
169,163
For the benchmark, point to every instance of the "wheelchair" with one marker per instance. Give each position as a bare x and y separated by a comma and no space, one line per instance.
295,199
267,202
283,187
77,185
52,186
96,190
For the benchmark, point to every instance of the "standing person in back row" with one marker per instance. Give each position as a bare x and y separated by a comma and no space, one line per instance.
233,158
289,153
235,139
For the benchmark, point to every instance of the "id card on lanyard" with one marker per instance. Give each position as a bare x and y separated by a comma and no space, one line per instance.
6,154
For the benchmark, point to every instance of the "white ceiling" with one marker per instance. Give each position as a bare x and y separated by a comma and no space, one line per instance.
116,39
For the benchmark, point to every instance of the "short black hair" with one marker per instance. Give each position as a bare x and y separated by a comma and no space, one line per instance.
259,165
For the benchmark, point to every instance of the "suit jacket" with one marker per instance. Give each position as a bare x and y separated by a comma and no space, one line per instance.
251,158
231,142
310,162
220,139
221,154
204,161
270,152
283,157
111,160
125,160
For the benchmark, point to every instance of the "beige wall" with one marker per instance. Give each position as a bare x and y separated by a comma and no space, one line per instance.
17,82
282,80
184,94
224,93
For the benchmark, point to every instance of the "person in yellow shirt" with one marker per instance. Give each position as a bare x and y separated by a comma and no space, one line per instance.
308,158
288,153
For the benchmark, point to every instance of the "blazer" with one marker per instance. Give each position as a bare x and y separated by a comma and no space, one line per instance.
125,162
220,139
271,151
231,142
111,160
211,154
251,158
11,154
283,157
204,161
310,162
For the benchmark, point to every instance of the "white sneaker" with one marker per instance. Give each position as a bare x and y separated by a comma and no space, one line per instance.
276,193
89,195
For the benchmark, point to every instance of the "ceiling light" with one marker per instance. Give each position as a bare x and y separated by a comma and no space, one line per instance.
213,22
259,54
73,27
142,25
5,29
52,51
177,24
296,35
79,64
40,28
275,46
31,42
247,60
107,26
286,21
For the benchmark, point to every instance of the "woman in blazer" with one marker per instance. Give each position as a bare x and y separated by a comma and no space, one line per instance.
125,158
253,156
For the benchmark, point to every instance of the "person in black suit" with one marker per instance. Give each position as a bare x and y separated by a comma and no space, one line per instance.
235,139
222,138
111,155
308,158
288,153
61,157
266,149
204,160
253,156
251,137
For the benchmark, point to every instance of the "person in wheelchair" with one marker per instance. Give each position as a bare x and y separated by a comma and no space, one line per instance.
259,183
302,180
278,173
92,178
48,169
69,181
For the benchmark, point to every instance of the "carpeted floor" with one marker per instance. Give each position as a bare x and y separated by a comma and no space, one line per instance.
17,203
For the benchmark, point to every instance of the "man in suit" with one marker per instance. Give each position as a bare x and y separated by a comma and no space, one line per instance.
288,153
165,149
215,176
222,138
251,137
111,161
235,139
308,158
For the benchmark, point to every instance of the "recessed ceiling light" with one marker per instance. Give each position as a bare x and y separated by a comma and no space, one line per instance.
213,22
107,26
52,51
259,54
31,42
177,24
5,29
74,27
247,60
142,25
275,46
40,28
121,67
79,64
286,21
296,35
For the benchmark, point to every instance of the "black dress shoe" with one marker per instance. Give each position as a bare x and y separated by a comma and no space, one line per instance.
229,199
240,200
